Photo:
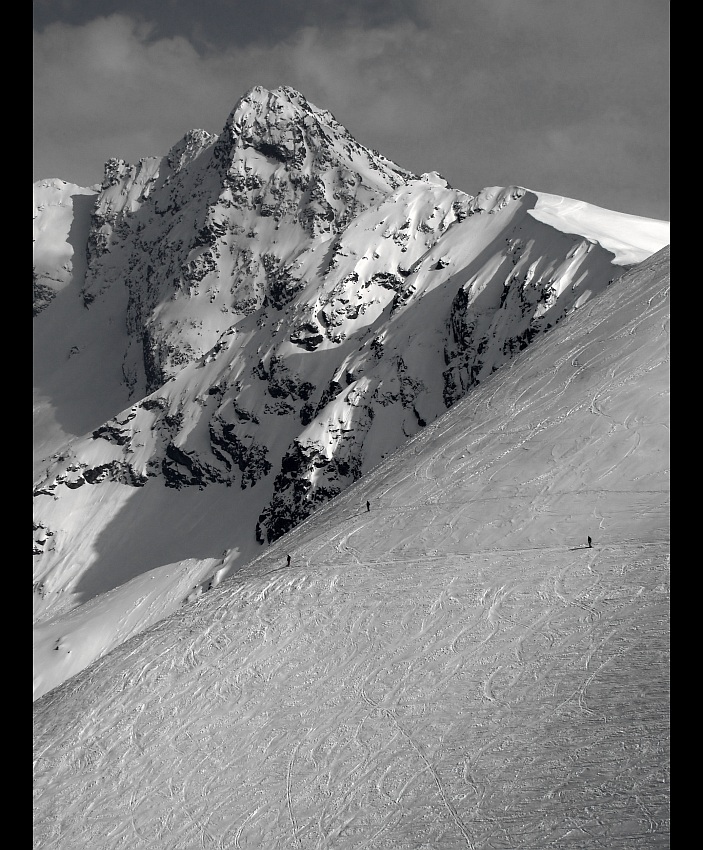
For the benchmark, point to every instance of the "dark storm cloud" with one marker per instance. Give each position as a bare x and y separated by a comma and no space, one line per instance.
224,23
558,95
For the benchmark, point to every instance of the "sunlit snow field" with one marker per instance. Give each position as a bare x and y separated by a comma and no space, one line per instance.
453,668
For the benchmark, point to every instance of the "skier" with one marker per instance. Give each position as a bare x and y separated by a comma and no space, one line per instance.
590,544
288,560
368,506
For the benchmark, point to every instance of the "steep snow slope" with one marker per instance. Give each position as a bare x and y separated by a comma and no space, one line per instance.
265,315
60,225
70,393
453,668
77,356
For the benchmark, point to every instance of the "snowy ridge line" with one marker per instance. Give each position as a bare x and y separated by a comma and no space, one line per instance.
411,558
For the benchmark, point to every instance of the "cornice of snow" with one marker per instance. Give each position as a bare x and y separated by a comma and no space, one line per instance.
630,238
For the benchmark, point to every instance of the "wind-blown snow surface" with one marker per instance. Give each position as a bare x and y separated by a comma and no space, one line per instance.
631,239
261,318
454,668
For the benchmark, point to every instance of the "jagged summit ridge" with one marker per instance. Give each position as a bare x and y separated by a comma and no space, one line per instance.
262,316
284,125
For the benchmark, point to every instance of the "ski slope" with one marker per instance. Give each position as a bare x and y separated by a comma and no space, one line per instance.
454,668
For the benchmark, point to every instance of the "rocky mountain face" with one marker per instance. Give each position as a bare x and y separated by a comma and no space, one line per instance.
285,307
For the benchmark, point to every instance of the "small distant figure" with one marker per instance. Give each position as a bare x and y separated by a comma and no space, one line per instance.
590,543
288,556
368,506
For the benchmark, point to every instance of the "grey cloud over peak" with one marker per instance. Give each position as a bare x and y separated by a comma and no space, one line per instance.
559,97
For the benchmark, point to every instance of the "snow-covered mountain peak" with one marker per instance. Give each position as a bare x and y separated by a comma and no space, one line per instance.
287,130
188,148
261,109
245,326
280,105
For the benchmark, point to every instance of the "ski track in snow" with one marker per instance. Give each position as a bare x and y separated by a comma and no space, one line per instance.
358,732
455,668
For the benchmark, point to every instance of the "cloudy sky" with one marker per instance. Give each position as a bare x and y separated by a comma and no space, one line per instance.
563,96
